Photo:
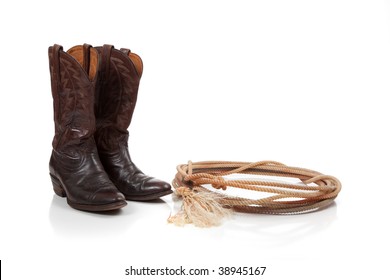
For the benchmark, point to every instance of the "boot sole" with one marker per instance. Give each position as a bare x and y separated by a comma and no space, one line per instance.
147,197
60,191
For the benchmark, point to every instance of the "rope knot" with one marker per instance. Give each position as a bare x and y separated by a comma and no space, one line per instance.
219,183
215,186
183,191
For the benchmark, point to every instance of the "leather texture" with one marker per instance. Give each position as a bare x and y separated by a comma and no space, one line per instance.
75,168
116,97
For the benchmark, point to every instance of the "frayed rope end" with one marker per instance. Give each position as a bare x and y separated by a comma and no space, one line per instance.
200,207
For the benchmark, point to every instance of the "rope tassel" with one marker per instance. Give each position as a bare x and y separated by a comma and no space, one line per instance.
204,207
201,208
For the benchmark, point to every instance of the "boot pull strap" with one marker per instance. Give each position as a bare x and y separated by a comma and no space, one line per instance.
105,66
86,57
125,51
56,63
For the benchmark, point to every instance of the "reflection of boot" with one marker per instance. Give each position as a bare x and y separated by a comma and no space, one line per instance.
116,96
75,168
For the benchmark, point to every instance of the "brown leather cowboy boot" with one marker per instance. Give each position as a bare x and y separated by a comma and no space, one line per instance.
75,169
116,96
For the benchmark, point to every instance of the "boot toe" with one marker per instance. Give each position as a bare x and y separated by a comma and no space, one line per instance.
107,196
155,186
101,200
149,190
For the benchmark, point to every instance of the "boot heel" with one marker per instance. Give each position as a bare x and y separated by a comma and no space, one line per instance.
58,189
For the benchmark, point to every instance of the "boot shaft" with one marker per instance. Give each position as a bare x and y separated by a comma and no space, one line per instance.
116,95
73,90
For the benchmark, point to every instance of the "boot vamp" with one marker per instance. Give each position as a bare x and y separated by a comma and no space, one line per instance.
127,177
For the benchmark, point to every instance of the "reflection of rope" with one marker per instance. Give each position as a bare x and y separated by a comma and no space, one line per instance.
317,190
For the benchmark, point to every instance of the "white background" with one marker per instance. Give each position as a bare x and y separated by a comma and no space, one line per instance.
300,82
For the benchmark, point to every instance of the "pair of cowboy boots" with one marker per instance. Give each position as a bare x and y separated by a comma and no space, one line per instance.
94,93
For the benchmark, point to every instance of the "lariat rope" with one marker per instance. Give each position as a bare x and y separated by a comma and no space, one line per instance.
206,207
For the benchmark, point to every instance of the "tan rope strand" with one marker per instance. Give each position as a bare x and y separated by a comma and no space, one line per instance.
313,192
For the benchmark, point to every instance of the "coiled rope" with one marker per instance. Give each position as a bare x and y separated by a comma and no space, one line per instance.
206,207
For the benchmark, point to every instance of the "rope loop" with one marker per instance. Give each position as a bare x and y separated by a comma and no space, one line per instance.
311,192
